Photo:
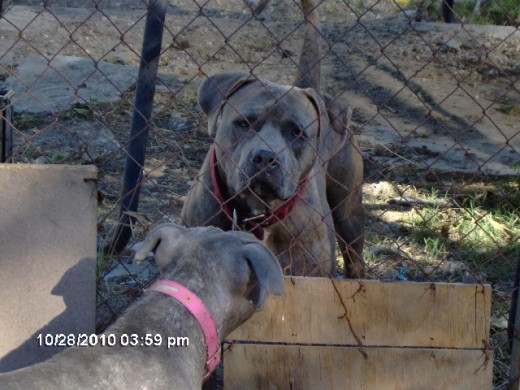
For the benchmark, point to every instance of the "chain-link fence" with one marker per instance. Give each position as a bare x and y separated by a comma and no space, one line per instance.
436,109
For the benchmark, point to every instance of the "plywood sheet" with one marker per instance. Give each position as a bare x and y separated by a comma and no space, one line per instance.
47,258
396,314
250,366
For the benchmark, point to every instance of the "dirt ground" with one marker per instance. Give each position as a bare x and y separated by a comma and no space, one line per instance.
436,107
436,93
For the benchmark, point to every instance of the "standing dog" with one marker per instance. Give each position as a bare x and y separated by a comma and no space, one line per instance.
231,273
284,165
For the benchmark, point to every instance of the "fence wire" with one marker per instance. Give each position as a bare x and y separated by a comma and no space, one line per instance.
436,109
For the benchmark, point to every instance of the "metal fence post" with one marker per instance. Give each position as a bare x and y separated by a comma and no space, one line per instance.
144,94
514,333
6,129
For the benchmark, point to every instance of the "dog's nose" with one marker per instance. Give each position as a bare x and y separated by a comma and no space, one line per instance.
264,158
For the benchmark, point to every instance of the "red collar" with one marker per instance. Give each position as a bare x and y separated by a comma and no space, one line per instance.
254,224
198,310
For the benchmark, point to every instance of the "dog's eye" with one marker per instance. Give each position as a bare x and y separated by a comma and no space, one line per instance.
296,132
246,122
243,123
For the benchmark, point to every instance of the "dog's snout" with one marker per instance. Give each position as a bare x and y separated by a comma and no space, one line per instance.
264,158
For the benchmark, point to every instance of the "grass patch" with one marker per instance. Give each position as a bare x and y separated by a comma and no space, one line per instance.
435,248
486,230
471,234
187,97
30,152
489,240
29,121
428,222
507,108
494,12
505,197
78,111
499,12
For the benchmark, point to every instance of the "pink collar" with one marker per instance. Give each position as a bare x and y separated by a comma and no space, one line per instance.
255,224
198,310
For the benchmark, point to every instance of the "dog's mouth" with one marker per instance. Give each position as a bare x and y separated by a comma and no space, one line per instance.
262,196
262,191
259,198
267,191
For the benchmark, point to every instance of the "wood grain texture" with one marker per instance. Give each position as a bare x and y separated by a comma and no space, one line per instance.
248,366
397,314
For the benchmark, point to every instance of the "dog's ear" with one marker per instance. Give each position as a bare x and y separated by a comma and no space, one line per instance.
266,276
334,124
162,240
214,91
339,116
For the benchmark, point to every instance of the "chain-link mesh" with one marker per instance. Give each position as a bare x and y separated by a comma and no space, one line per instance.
436,109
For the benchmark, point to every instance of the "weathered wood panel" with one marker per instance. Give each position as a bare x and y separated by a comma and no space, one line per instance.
248,366
397,314
47,258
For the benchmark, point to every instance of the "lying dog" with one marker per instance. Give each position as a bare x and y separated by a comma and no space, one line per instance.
232,273
284,166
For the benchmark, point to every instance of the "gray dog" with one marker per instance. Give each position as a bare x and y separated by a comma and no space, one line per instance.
284,166
232,273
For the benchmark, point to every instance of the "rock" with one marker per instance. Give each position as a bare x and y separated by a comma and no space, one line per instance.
402,274
390,250
457,266
181,45
381,189
44,86
126,269
178,123
498,323
71,140
41,160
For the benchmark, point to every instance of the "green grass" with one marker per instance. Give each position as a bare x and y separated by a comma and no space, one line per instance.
470,234
30,152
496,12
484,225
57,159
507,108
486,230
435,248
187,97
29,121
499,12
78,111
428,221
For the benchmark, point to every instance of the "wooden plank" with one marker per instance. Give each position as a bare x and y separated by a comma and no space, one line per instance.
47,258
397,314
514,369
256,366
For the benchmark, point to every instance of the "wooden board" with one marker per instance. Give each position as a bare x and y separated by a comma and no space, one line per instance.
396,314
248,366
47,258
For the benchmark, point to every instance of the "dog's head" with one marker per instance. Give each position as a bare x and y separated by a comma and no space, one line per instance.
232,272
268,137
